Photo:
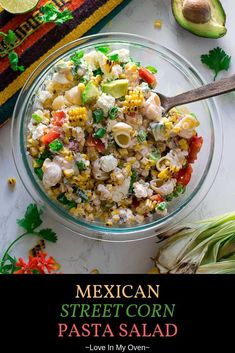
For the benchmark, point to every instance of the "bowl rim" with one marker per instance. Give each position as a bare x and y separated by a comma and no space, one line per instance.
145,230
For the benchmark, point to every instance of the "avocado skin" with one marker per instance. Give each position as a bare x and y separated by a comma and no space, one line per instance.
207,31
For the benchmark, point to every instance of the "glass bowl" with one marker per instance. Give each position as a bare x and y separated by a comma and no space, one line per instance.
175,75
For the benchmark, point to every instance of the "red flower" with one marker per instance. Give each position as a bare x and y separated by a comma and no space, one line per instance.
26,268
44,264
38,264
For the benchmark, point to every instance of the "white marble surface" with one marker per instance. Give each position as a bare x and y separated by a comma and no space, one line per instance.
79,255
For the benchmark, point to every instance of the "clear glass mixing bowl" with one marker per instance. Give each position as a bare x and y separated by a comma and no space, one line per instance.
175,75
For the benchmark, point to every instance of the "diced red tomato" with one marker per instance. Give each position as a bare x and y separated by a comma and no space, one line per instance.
157,198
184,175
58,118
50,136
97,143
194,148
147,76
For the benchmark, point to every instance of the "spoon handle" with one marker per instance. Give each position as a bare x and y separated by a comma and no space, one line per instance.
211,90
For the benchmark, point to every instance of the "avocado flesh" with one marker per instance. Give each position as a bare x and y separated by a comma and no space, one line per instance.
90,93
214,28
117,88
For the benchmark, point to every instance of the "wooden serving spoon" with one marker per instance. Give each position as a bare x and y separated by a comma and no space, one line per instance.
211,90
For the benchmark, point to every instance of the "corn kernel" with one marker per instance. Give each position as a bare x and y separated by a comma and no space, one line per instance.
68,173
164,174
133,101
183,144
158,24
12,181
78,116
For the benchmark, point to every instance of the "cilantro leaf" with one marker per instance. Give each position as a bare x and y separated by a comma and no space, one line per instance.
31,219
8,264
151,69
217,60
52,14
48,234
14,60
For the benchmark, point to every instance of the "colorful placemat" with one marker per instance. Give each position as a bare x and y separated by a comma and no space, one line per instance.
37,40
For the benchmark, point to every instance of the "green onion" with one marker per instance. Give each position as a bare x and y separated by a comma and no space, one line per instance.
98,115
37,118
97,72
154,155
56,145
81,165
39,172
152,69
100,133
104,50
162,206
142,135
207,246
113,113
113,57
63,199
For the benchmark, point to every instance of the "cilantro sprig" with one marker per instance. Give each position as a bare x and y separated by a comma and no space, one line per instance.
217,60
52,14
30,222
9,40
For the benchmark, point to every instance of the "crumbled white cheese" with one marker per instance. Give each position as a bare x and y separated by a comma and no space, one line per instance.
116,70
108,163
105,102
144,87
124,54
91,59
121,191
98,173
52,173
105,194
43,96
142,190
63,163
59,78
39,131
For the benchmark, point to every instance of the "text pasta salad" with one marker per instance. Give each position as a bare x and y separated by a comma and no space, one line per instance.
101,144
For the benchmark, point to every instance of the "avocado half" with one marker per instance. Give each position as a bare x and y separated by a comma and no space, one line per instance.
205,18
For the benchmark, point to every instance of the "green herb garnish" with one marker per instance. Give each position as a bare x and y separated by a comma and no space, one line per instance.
56,145
100,133
30,222
97,72
217,60
134,176
44,155
142,135
63,199
113,113
114,57
154,155
39,172
52,14
9,40
81,165
98,115
152,69
104,50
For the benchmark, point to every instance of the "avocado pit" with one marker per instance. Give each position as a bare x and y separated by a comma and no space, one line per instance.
197,11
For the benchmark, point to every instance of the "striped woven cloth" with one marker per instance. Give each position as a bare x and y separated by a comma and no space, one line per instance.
35,41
